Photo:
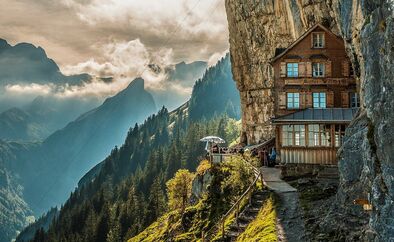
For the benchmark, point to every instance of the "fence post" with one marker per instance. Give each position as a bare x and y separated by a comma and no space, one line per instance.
223,228
261,178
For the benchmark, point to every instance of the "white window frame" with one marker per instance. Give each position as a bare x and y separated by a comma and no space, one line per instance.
318,97
319,135
354,99
293,98
318,69
318,40
293,135
292,69
339,134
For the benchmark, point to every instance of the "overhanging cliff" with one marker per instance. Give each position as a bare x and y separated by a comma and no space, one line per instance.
258,27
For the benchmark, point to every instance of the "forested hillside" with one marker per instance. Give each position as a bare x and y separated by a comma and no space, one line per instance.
214,94
126,192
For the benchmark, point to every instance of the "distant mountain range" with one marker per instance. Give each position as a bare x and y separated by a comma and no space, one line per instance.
48,171
25,63
69,153
123,193
40,166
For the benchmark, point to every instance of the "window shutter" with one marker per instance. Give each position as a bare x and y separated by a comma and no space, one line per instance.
282,100
308,100
283,69
328,69
330,99
345,99
309,69
312,40
345,68
301,69
302,100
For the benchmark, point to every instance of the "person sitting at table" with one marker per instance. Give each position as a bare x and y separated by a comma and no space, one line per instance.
215,148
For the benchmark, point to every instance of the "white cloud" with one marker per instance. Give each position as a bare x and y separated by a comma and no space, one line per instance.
124,61
30,89
186,18
213,60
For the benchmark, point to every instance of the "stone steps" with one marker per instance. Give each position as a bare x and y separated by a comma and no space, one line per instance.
329,173
246,216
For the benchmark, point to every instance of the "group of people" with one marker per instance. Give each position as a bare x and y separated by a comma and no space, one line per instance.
216,149
268,158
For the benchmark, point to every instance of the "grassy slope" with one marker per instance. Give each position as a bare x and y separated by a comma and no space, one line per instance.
231,178
263,228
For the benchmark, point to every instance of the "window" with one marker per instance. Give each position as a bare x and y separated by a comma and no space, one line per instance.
339,134
318,40
354,100
287,135
293,135
319,100
319,135
325,131
314,135
318,69
293,100
299,135
292,69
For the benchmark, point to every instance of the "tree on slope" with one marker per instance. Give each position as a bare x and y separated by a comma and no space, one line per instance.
179,190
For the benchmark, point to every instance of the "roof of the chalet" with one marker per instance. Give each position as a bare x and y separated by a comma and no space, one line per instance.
280,52
319,115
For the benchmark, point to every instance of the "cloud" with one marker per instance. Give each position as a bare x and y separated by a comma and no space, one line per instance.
116,38
30,89
124,61
70,30
187,18
213,60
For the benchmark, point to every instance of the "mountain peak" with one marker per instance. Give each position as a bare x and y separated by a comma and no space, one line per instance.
137,83
4,44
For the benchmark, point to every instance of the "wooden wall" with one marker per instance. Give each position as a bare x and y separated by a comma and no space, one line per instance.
337,83
298,155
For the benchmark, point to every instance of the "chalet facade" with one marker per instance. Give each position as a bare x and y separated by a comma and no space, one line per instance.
316,97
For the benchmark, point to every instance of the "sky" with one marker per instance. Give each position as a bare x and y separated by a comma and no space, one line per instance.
77,31
116,38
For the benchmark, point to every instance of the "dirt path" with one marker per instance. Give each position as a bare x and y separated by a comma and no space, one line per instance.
290,222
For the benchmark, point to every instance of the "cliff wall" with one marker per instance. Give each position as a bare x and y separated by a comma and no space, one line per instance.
258,27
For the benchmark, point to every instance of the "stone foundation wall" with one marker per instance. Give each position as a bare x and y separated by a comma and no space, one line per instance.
299,170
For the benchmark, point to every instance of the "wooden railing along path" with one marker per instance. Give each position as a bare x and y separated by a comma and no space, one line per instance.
236,207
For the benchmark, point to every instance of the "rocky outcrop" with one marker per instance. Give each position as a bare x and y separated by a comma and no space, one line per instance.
200,185
258,27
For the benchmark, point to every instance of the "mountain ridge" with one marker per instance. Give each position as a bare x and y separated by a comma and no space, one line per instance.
26,63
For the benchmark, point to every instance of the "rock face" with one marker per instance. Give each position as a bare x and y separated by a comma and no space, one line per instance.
258,27
200,185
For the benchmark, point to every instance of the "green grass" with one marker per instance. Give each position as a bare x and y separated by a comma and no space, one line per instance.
158,231
229,180
263,228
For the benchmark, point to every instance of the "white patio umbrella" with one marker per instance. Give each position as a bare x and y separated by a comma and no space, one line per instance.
212,139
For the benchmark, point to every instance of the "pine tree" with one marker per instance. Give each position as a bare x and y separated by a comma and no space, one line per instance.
179,190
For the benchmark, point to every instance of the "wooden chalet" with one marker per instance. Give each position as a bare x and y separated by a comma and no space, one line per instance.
316,97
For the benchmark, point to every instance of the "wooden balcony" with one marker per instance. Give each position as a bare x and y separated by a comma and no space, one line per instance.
309,81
